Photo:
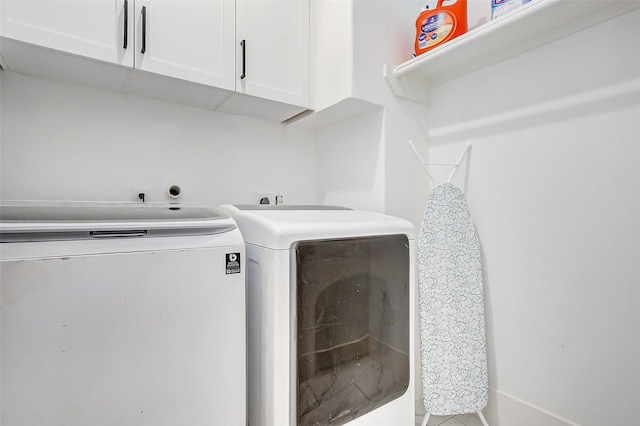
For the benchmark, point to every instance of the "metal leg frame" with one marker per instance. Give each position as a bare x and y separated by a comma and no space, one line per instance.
425,420
482,419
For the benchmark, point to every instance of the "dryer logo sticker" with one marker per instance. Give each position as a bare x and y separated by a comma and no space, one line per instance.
233,263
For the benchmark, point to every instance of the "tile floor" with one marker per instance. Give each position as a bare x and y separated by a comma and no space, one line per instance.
459,420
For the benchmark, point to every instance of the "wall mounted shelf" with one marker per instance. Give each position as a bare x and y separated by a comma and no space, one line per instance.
530,26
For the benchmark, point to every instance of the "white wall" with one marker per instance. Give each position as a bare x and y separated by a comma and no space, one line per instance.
350,157
552,184
63,141
364,162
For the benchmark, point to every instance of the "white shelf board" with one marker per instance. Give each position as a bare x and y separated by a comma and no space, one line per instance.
527,27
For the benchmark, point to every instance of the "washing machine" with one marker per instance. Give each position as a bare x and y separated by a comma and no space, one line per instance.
330,295
121,314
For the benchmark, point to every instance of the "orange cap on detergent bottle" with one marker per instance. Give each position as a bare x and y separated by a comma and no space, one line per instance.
444,23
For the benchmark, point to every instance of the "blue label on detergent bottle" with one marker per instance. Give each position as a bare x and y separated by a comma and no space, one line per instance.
433,23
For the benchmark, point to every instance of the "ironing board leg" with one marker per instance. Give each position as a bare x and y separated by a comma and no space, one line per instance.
482,419
425,420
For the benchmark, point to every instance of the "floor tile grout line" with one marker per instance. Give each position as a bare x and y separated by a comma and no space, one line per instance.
444,422
448,419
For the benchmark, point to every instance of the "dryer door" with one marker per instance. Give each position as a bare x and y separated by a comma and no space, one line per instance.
352,326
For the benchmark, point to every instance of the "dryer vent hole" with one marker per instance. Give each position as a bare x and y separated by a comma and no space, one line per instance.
175,191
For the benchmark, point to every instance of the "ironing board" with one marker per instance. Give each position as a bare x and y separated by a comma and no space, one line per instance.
452,335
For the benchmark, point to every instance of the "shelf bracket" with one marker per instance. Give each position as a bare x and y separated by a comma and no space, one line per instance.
402,88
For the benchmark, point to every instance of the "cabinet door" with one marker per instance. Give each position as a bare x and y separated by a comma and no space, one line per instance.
275,38
187,39
90,28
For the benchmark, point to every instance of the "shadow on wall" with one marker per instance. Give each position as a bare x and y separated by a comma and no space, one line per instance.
350,157
545,85
593,102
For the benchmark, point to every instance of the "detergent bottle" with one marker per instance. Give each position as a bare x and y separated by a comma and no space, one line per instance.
502,7
433,27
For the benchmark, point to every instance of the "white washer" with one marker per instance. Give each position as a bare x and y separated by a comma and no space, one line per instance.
121,314
330,295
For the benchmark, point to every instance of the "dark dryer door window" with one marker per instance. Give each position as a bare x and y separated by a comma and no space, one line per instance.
352,326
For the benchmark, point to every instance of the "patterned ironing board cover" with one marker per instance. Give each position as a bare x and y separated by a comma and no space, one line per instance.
453,349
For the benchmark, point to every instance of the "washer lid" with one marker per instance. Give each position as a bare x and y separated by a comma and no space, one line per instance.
53,220
280,226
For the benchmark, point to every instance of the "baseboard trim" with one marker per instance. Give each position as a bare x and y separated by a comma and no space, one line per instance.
505,409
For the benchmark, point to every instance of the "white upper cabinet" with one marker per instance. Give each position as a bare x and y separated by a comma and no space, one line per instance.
97,29
188,39
185,51
272,38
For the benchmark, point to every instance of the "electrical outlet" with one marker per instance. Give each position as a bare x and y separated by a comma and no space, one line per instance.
269,198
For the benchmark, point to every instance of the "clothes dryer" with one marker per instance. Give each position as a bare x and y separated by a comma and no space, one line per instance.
330,296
